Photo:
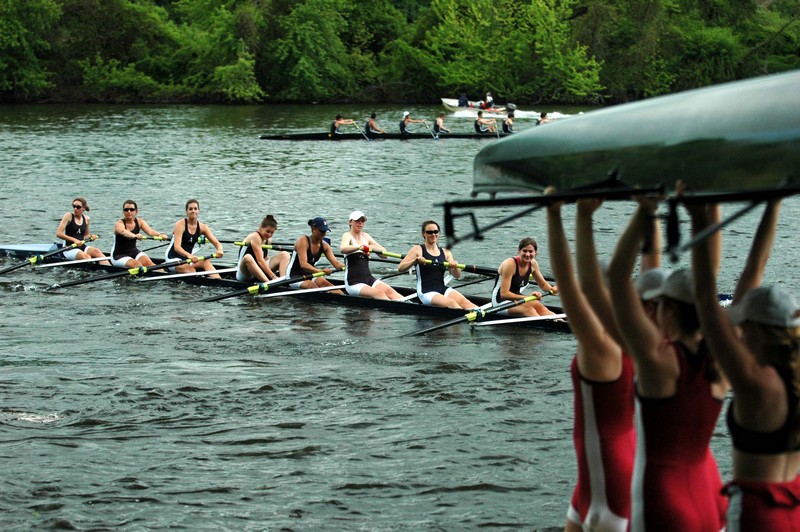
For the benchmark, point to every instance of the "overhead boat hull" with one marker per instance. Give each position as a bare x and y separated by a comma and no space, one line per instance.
737,136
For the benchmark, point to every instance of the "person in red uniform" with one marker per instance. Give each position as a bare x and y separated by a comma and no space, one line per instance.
602,380
679,393
763,365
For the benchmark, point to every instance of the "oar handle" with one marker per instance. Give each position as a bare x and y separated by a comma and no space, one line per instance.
275,247
367,249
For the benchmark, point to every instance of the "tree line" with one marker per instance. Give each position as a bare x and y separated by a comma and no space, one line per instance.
249,51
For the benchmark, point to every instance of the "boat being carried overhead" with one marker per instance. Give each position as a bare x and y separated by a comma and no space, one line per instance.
734,137
385,136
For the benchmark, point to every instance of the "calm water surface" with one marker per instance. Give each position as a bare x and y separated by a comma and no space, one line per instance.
127,405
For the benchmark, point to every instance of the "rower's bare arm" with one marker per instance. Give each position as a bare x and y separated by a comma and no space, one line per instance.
62,226
409,260
206,230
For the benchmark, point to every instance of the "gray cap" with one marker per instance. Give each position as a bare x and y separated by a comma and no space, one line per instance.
649,282
678,286
768,305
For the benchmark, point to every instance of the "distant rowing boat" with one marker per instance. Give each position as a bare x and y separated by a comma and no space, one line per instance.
412,307
387,136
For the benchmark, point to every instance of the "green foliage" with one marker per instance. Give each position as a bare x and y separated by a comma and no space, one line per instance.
386,50
23,31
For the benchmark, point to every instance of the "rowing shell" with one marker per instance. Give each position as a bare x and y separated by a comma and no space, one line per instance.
228,282
386,136
737,136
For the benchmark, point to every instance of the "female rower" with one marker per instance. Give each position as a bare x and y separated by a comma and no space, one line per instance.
185,236
125,254
602,382
438,126
428,259
307,252
74,228
372,128
356,246
254,260
408,120
514,274
763,365
676,484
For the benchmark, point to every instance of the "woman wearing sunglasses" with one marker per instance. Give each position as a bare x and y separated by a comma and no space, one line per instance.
125,254
429,258
74,227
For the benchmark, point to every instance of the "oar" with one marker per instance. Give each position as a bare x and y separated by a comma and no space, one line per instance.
263,287
303,291
481,270
275,247
362,132
133,272
511,321
434,135
39,258
476,315
367,249
190,274
71,262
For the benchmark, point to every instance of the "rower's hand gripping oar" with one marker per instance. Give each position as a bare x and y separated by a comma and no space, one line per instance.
259,288
133,272
367,249
36,259
477,314
434,135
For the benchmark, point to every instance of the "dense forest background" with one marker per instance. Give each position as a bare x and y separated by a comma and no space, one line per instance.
247,51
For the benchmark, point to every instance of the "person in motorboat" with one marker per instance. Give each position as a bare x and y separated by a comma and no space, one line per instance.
463,101
438,126
542,119
428,259
408,120
489,102
254,262
127,231
308,249
485,125
356,247
513,276
757,344
372,128
679,394
185,235
339,122
74,228
508,123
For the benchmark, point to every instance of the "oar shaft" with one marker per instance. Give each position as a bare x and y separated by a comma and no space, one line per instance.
39,258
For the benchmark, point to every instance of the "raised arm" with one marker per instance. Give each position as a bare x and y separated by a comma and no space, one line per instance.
598,354
747,376
589,274
759,252
656,366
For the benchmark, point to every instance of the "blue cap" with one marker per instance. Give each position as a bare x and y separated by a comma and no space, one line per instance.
320,223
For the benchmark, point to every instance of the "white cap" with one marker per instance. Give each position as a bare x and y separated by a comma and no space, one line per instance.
768,305
678,286
357,215
405,114
649,282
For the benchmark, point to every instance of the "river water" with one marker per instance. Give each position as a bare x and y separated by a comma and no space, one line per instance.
128,405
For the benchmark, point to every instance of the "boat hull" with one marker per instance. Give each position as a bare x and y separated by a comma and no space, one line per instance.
229,283
387,136
733,137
